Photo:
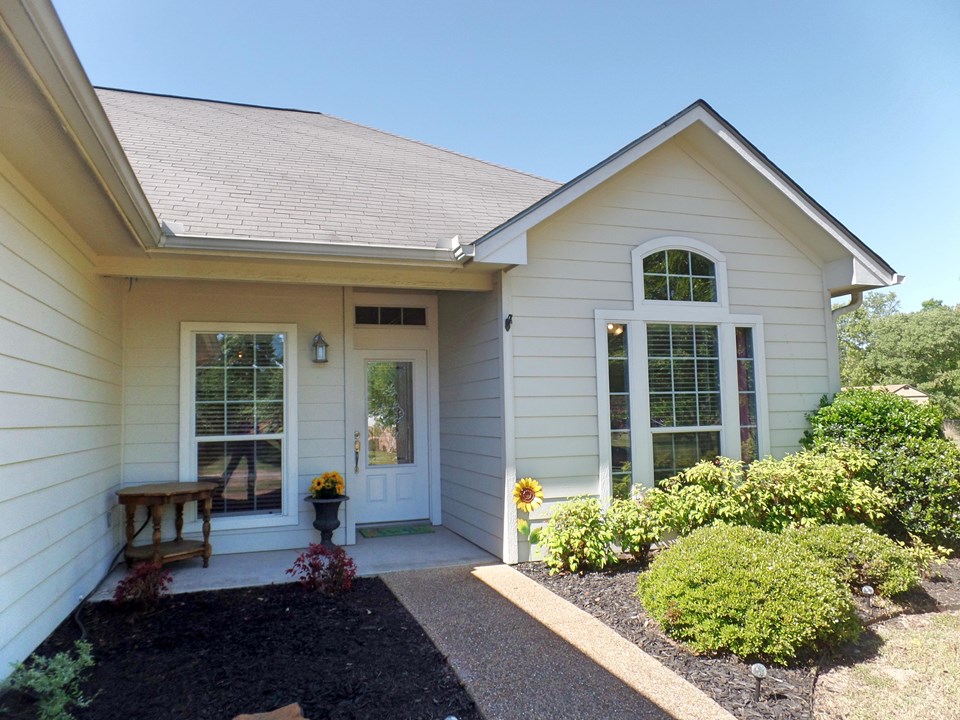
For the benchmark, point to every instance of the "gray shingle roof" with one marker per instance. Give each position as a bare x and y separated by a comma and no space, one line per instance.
225,170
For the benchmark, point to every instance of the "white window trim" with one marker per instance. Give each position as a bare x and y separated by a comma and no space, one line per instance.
289,514
673,242
676,312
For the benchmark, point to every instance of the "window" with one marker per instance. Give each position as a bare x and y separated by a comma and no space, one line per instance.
679,275
237,419
683,374
688,385
619,377
747,392
372,315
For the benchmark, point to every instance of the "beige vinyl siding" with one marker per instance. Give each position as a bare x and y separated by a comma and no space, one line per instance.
60,419
153,312
471,418
579,261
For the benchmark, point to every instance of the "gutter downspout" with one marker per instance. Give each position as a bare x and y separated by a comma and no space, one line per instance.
856,300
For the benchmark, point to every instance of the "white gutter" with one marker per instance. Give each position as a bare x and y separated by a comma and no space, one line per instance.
459,255
856,300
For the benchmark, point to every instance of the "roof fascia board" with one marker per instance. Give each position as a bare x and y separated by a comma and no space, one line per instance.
812,209
700,111
46,50
278,246
852,272
588,180
172,266
511,252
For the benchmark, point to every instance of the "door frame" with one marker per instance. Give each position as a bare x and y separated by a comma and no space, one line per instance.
358,339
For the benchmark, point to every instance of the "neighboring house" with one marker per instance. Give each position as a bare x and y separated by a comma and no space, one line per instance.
908,392
166,263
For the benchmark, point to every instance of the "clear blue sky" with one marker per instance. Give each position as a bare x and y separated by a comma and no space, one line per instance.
859,102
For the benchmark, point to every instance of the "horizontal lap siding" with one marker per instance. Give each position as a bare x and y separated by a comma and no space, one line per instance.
471,418
60,419
154,310
579,261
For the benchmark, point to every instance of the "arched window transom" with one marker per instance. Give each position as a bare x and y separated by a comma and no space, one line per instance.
680,275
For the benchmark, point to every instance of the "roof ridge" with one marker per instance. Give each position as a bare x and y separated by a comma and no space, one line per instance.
338,119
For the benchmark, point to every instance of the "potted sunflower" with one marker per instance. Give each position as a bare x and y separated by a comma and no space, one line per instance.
326,494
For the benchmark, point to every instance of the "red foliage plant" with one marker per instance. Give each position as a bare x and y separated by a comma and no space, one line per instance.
143,585
327,570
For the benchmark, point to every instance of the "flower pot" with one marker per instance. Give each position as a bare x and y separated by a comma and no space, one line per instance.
327,520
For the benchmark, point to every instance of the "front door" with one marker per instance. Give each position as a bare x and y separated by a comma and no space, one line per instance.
389,428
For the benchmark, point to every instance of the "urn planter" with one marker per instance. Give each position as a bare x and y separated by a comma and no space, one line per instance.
328,517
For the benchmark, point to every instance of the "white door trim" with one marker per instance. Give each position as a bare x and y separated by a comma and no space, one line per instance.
356,339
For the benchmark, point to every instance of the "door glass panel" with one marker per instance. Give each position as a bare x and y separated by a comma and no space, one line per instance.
389,413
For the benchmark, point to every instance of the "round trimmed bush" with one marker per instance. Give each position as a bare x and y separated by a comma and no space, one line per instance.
859,556
753,593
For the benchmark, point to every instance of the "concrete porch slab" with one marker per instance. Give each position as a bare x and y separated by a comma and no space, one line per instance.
373,556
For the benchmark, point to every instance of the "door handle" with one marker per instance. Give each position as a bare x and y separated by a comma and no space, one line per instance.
356,452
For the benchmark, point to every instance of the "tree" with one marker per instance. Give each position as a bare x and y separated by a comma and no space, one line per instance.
879,345
856,332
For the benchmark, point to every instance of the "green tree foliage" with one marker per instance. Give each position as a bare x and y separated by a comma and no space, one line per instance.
879,345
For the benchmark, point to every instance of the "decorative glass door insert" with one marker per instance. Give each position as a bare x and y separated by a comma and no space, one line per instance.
390,414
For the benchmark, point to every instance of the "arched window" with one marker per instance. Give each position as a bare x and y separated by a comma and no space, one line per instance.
680,275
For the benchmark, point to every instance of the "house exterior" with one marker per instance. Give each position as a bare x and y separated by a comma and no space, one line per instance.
167,266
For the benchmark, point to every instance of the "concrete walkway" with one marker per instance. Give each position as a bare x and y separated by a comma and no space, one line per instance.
523,652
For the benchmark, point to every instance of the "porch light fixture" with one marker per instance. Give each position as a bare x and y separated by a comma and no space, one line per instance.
319,348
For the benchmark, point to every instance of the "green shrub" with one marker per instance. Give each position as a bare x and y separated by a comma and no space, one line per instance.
863,416
809,488
805,488
859,556
577,538
632,526
55,682
753,593
914,465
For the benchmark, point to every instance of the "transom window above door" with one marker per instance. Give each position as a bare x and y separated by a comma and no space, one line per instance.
386,315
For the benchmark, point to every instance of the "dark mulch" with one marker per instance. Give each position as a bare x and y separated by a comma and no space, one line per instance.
218,654
786,694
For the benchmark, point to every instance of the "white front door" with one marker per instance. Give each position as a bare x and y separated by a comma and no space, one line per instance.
388,424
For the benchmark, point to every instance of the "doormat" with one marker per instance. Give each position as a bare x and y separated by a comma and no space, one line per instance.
394,530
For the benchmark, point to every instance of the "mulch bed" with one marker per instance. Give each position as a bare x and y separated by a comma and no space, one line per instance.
218,654
786,694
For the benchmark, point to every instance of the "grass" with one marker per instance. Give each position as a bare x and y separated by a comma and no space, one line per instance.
914,676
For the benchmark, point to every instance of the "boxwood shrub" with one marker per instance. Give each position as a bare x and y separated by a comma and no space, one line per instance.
859,556
750,592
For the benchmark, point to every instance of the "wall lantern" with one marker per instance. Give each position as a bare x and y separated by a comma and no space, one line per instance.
319,348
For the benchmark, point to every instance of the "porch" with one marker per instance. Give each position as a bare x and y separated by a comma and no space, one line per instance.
373,556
